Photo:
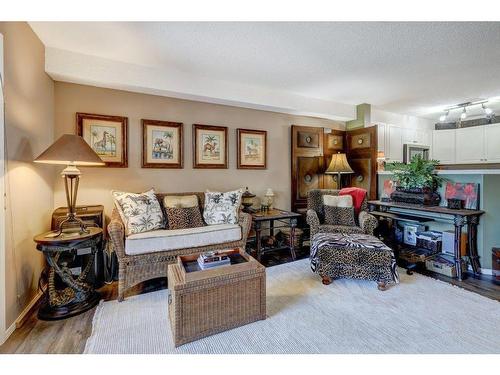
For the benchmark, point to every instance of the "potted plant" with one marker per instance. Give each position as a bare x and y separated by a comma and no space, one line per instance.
416,181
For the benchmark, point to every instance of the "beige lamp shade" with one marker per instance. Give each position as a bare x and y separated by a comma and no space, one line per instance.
70,149
339,165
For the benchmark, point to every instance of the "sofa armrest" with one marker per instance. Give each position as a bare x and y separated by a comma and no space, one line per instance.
245,222
367,222
313,221
116,231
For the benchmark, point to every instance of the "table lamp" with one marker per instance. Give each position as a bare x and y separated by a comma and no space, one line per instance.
72,151
380,161
339,166
269,197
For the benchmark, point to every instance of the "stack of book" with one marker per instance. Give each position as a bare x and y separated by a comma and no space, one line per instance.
213,259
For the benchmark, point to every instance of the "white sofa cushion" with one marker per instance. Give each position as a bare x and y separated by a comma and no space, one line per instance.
163,240
180,201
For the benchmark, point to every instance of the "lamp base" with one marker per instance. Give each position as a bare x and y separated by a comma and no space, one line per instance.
73,224
71,177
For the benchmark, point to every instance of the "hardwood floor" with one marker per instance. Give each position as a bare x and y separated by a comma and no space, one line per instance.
70,335
66,336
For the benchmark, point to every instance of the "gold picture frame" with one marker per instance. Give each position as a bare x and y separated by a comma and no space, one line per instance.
162,144
210,147
251,149
106,135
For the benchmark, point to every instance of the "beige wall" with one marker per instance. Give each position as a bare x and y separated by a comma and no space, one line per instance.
29,120
96,183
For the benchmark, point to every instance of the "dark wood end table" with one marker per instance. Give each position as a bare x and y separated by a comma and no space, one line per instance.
285,218
78,295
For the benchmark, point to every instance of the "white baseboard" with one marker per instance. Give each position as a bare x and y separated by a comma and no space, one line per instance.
5,335
21,318
484,271
487,271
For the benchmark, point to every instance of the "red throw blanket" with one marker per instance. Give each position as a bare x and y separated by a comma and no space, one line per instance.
357,194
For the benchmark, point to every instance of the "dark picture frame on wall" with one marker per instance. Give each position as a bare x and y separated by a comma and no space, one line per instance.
106,135
210,147
162,144
251,149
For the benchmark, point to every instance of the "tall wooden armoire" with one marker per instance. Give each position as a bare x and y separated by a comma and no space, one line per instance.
312,149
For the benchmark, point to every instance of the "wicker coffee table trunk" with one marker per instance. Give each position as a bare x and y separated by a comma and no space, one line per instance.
207,302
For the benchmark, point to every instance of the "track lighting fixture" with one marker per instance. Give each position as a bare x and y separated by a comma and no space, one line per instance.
487,110
463,116
443,117
463,106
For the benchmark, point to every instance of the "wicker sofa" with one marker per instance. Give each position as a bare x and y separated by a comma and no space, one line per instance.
146,256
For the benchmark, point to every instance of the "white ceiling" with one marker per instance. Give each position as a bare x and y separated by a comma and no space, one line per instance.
413,68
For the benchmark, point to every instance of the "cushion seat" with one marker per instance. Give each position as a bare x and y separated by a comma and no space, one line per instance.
164,239
326,228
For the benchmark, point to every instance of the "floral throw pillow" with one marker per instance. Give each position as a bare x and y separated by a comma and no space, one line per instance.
222,208
139,212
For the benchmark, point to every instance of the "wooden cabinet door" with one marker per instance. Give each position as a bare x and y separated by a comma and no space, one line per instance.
362,155
307,163
394,143
443,146
470,145
492,143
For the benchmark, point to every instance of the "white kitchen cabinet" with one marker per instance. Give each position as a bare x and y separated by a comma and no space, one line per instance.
409,135
424,137
443,146
381,137
393,143
492,143
417,136
470,145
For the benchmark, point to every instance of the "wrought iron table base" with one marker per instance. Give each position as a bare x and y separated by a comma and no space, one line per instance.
77,296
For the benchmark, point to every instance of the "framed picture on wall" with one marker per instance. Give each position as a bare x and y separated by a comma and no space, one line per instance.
162,144
251,149
210,146
107,135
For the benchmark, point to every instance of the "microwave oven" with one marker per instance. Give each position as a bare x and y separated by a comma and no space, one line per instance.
411,149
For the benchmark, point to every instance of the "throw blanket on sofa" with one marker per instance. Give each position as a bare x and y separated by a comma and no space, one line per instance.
358,196
349,241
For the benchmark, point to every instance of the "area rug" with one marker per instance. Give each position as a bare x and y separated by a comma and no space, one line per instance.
420,315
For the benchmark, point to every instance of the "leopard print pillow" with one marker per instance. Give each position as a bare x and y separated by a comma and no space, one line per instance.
340,216
183,218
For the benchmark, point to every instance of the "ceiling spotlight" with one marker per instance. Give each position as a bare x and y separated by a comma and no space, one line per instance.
463,115
487,110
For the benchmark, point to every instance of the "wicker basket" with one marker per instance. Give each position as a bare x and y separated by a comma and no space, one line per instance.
285,234
204,303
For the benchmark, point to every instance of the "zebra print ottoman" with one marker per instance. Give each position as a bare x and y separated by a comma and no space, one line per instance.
355,256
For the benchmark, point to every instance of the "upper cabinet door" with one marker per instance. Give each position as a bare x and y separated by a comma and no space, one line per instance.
381,137
417,136
443,146
394,143
424,137
492,143
409,135
470,145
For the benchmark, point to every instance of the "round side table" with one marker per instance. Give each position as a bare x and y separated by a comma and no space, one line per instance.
77,296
